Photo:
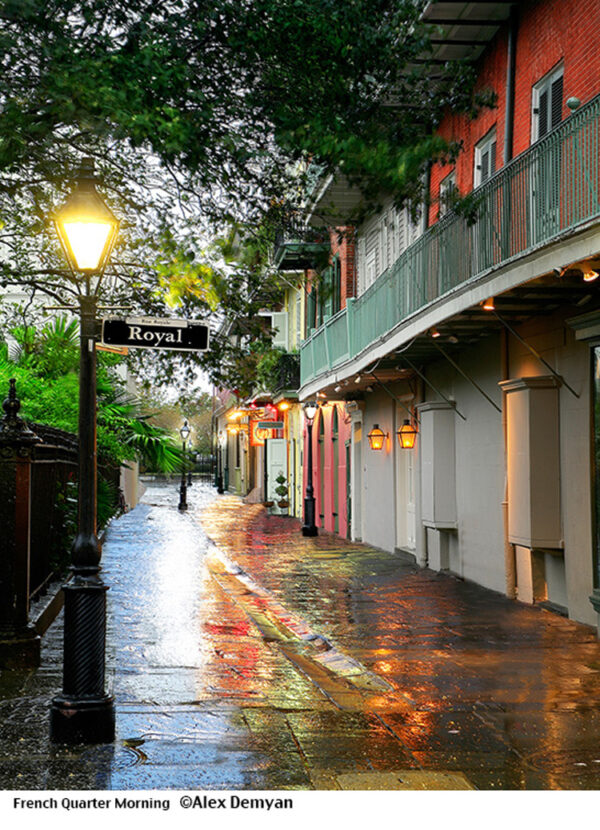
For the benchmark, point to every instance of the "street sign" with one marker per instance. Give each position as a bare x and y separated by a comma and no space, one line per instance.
148,333
270,425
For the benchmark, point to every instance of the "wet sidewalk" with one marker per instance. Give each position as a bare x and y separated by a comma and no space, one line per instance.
244,656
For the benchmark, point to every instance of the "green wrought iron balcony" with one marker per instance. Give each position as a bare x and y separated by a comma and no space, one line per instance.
287,373
549,191
297,248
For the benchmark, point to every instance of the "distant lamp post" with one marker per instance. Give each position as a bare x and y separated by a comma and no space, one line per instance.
220,444
407,435
309,528
189,462
376,438
83,712
185,434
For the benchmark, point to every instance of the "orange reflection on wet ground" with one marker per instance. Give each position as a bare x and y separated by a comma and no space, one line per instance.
463,662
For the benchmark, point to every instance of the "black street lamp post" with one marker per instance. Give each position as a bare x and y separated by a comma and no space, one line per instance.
184,432
84,712
191,458
309,528
220,488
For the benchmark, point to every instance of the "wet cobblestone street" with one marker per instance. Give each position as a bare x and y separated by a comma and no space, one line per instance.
244,656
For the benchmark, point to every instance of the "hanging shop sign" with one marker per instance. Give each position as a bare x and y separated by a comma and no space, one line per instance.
260,431
148,333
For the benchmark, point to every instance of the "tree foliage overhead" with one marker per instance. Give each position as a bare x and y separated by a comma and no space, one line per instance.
202,114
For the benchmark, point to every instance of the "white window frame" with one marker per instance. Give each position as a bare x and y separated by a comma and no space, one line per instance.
278,321
543,85
362,264
447,186
372,258
481,148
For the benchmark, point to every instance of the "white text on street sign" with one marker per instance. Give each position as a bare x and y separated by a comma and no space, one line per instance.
146,333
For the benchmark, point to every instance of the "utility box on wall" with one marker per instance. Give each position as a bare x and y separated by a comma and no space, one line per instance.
438,468
533,462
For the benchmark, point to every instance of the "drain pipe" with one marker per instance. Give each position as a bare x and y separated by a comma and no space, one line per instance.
511,57
420,532
510,564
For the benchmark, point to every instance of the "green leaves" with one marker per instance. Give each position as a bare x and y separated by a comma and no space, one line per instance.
201,115
48,387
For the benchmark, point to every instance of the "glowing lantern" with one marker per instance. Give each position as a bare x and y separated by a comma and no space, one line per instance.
87,229
376,438
407,435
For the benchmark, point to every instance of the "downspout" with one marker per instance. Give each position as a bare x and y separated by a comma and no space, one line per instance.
511,58
510,566
420,533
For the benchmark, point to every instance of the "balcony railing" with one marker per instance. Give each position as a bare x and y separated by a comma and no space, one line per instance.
287,372
550,189
297,248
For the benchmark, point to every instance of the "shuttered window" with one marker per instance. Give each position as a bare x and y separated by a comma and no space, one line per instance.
372,264
447,192
336,287
547,100
361,265
485,159
311,311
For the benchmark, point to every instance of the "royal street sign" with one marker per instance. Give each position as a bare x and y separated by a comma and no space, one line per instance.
148,333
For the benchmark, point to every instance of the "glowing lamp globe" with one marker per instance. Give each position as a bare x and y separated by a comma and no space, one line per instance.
407,435
376,438
310,410
86,227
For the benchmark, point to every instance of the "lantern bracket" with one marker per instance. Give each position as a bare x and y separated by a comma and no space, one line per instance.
536,354
412,414
467,377
430,384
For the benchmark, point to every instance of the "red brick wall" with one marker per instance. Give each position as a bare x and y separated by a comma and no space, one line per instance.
343,244
550,31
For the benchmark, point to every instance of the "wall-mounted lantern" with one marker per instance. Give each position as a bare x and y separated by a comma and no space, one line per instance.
407,435
376,438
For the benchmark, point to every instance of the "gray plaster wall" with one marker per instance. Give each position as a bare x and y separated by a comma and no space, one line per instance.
556,343
477,551
378,479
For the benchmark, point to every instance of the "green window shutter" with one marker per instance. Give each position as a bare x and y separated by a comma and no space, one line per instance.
337,285
311,311
556,99
326,303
